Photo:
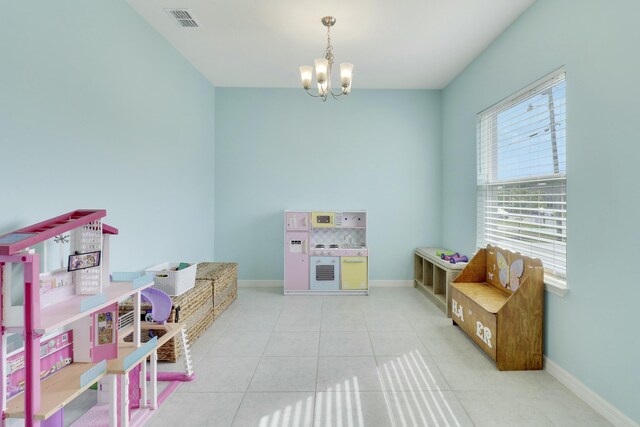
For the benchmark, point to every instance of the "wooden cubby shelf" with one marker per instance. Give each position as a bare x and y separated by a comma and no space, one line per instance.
432,275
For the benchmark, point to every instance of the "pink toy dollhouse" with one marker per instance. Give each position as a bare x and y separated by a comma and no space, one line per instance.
68,333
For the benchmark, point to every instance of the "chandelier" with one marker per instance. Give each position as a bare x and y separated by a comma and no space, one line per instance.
323,69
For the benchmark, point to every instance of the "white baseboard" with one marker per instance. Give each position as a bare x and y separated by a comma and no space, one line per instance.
260,283
279,283
604,408
391,283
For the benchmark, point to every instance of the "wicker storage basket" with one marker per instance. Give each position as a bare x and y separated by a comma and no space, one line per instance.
222,277
168,352
196,311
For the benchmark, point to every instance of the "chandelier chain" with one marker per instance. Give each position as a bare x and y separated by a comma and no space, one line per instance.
328,53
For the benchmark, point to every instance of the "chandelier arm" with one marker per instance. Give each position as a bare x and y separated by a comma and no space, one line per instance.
324,97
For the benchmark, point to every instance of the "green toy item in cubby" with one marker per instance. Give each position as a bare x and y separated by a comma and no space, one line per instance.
445,252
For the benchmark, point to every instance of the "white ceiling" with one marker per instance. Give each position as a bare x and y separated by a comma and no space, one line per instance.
392,43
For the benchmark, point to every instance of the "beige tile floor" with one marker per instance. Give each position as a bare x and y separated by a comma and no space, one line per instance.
389,359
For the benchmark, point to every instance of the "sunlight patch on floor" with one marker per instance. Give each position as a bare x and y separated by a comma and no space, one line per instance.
411,395
295,415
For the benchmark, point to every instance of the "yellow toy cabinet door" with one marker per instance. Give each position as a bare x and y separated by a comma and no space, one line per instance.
354,273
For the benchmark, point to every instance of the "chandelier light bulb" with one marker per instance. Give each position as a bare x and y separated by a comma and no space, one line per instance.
322,66
306,72
346,71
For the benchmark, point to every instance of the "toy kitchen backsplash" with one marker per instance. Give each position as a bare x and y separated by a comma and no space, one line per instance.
339,236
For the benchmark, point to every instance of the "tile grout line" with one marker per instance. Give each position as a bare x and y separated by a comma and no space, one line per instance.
315,390
464,408
437,366
255,369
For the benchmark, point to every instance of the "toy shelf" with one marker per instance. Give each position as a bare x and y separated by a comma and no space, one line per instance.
119,365
56,391
441,297
432,275
58,315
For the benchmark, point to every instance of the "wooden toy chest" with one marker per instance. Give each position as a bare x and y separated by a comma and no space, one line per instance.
222,277
498,300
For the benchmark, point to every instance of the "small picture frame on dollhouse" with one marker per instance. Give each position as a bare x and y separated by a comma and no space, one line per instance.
84,260
104,326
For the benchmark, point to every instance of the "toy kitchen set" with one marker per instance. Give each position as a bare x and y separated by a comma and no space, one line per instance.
326,253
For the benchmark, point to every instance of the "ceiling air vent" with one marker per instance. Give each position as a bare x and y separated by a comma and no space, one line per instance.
183,17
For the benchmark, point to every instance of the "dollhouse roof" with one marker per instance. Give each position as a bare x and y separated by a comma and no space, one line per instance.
28,236
107,229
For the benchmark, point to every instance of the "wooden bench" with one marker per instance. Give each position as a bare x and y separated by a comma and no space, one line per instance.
498,300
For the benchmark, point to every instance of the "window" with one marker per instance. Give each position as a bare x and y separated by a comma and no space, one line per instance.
522,174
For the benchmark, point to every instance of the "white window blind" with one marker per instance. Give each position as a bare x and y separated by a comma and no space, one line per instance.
522,175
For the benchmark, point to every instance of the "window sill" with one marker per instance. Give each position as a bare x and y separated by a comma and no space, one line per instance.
555,285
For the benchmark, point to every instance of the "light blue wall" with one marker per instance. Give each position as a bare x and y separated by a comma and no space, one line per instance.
377,150
91,80
97,110
592,332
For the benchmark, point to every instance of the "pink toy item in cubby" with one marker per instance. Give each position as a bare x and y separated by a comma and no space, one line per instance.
448,257
456,259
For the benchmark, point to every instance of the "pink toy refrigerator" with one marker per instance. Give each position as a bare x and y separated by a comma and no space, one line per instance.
97,336
296,260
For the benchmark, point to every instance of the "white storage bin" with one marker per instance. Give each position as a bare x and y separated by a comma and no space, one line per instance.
176,282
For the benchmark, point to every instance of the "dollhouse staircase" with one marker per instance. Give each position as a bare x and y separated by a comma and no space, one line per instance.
188,367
